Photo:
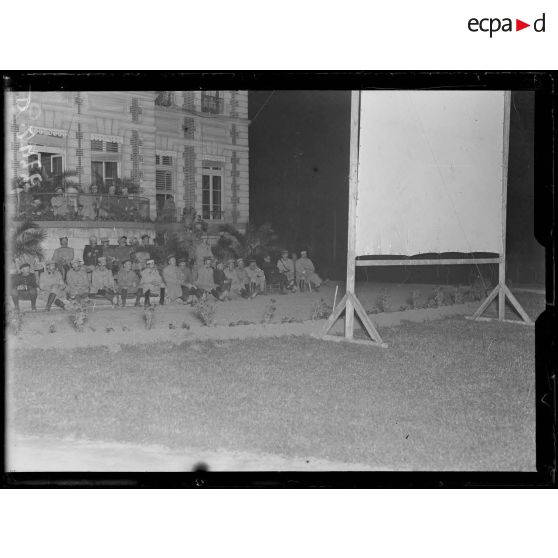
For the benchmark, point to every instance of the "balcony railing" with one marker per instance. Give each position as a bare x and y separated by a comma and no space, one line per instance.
79,207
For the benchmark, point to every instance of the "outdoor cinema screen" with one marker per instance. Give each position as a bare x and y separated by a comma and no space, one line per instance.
430,172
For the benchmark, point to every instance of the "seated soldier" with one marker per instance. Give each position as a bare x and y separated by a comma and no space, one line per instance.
286,267
152,283
204,280
230,273
172,279
222,281
37,211
272,275
88,203
242,279
51,282
189,291
128,282
77,282
24,287
305,270
256,277
102,282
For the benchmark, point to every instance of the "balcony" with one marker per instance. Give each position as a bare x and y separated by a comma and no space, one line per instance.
79,207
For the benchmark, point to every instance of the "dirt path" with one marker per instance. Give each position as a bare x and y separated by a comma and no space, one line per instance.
176,323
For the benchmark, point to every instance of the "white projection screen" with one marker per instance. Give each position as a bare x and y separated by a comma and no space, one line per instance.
430,169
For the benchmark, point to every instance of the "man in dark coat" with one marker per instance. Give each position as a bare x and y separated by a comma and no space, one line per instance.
24,287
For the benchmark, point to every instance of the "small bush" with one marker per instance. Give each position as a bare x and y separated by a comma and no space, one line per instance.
321,310
269,311
205,310
149,316
52,327
383,301
79,315
15,321
287,320
413,299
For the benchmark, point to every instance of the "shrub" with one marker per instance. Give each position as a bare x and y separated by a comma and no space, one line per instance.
269,311
15,321
205,310
321,310
78,315
413,300
149,316
383,301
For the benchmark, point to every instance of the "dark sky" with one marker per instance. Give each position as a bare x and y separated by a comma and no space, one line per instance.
299,161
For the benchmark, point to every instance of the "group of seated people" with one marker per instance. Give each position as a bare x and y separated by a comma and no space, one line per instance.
115,272
74,204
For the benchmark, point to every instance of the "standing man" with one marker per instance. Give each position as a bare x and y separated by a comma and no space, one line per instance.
91,254
63,256
142,254
121,253
24,287
108,252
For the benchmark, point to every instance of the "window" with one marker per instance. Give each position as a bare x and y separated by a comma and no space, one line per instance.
48,165
104,173
212,102
164,98
212,179
108,146
163,180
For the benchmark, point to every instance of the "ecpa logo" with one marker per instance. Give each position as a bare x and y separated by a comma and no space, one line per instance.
492,25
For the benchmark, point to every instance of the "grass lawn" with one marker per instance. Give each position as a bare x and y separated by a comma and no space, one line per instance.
446,395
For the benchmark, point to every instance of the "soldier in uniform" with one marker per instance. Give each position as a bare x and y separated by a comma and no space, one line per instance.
204,280
128,282
91,254
121,252
286,267
51,282
189,290
256,277
24,287
152,283
59,204
109,252
102,282
77,282
63,256
172,279
305,270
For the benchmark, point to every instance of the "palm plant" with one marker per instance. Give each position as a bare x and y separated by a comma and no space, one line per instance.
26,243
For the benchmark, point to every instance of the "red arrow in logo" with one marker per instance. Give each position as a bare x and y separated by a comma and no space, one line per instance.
519,25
